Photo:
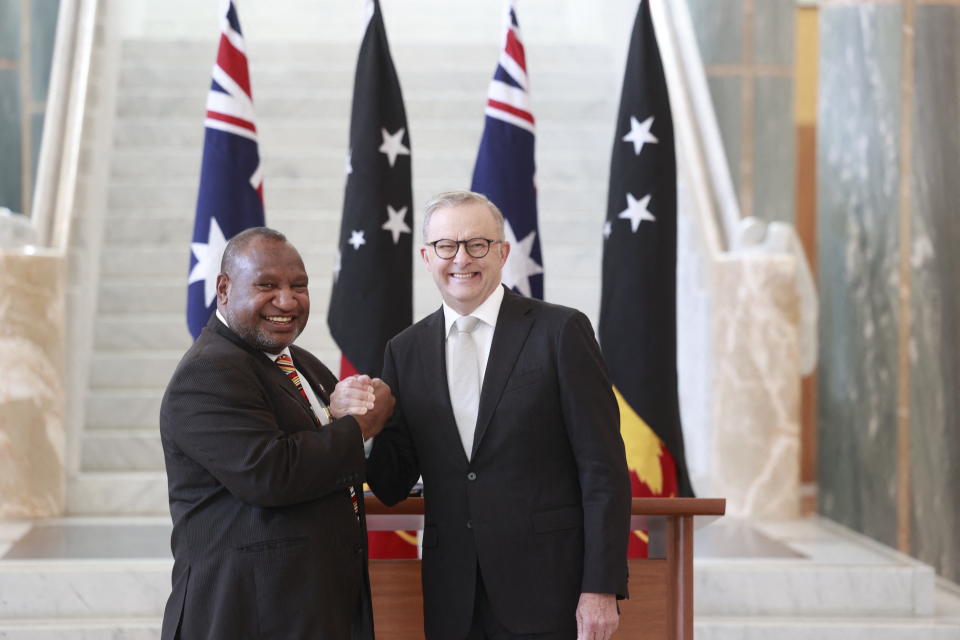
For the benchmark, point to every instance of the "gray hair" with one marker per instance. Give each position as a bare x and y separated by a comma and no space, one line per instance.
242,240
450,199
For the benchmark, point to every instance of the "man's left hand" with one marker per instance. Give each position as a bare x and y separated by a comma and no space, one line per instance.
597,616
353,396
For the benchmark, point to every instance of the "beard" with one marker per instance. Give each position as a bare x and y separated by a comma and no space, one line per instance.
262,340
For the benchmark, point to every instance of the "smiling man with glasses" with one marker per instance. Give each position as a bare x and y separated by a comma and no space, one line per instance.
505,408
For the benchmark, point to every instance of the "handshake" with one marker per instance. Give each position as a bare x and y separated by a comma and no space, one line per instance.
367,399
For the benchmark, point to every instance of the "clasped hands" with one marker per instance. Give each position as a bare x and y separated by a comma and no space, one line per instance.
367,399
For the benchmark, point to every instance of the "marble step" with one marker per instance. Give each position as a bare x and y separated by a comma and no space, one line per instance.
125,628
825,628
144,56
121,450
146,194
118,493
177,230
554,139
83,588
123,408
329,163
560,206
163,331
102,588
133,369
705,628
792,587
195,76
566,105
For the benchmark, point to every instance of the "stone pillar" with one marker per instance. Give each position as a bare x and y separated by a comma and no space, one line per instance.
31,385
889,385
756,386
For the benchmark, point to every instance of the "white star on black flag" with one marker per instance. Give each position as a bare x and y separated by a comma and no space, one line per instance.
372,297
638,324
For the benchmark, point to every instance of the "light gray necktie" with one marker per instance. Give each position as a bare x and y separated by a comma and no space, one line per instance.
463,379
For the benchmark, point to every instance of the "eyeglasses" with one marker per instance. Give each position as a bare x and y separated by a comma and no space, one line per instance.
476,247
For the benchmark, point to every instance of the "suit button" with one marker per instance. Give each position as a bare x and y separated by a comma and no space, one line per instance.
471,476
358,549
469,524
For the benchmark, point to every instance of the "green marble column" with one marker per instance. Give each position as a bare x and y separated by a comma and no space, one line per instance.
27,32
889,373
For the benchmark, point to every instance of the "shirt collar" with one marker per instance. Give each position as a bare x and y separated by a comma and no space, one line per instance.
272,356
487,312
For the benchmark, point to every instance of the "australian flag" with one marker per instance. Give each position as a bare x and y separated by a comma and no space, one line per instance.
231,183
505,169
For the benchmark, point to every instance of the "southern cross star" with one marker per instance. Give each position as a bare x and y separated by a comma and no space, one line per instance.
520,266
637,211
208,261
356,239
393,145
639,134
395,223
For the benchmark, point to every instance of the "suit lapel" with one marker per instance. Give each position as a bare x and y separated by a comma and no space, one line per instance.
310,375
280,379
434,363
513,327
271,370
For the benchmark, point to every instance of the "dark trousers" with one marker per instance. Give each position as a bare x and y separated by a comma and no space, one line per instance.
486,626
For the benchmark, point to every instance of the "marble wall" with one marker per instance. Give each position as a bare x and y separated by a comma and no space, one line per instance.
889,358
27,30
31,385
756,389
935,308
747,50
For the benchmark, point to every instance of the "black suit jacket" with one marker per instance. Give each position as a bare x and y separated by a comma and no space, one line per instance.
265,540
543,506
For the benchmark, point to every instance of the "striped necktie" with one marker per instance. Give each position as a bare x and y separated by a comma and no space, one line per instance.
286,365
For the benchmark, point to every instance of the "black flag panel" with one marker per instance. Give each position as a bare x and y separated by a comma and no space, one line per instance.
372,298
638,304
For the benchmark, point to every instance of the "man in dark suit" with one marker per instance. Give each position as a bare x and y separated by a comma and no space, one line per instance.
263,464
505,408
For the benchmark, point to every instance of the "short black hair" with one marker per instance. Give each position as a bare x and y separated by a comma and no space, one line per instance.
242,240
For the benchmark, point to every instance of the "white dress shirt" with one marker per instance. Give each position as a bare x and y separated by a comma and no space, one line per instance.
487,314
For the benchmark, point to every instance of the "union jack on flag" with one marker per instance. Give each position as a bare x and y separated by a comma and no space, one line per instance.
230,197
505,169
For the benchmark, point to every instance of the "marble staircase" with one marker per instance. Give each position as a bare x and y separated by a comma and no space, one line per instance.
103,572
108,578
302,94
